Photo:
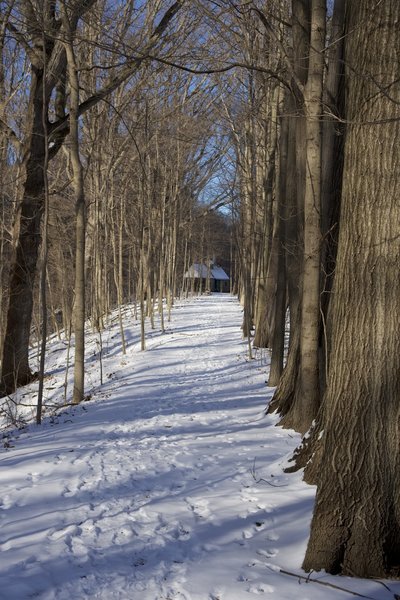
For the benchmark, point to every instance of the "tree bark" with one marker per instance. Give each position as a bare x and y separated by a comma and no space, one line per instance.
15,362
356,524
43,270
331,174
308,454
309,374
278,337
307,398
285,393
80,215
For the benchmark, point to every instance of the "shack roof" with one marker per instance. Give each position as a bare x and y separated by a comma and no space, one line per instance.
200,271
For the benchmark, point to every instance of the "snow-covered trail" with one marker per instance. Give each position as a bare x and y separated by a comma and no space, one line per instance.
168,485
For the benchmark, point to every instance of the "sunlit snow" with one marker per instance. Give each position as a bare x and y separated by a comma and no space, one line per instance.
167,484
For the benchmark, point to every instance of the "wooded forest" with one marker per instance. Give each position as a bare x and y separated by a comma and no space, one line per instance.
138,138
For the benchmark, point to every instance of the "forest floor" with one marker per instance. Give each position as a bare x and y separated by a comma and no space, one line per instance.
167,484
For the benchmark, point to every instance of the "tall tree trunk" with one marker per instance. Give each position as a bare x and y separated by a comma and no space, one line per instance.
43,270
308,454
356,524
331,174
307,397
285,393
266,284
278,336
15,362
309,373
80,215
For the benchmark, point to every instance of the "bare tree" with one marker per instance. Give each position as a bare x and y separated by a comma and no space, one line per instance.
30,27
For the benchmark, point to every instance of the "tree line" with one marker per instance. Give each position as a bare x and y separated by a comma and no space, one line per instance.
124,127
330,226
105,157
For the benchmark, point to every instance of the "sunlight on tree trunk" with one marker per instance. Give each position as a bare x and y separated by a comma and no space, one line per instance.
356,525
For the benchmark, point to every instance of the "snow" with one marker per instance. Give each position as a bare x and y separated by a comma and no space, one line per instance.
167,484
218,273
197,271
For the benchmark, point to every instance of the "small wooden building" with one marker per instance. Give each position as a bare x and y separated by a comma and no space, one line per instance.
208,278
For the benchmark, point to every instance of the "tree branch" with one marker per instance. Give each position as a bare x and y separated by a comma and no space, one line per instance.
127,71
10,133
224,69
288,62
307,579
31,54
169,15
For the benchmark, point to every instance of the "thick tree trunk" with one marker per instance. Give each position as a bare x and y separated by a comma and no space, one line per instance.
309,453
285,393
331,174
15,362
265,288
307,399
356,523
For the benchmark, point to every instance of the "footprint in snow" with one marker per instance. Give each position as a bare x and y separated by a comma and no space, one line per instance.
123,534
253,505
67,492
181,532
69,536
210,548
249,493
140,516
33,477
60,458
198,507
172,594
250,532
59,534
251,510
255,563
172,530
247,534
261,588
269,553
89,528
217,594
79,459
6,502
79,549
